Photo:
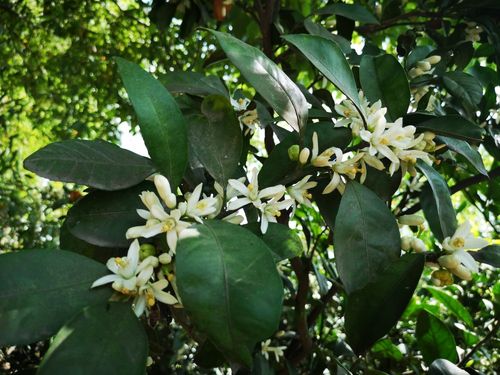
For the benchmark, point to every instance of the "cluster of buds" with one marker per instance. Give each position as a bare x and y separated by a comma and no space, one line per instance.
424,66
473,32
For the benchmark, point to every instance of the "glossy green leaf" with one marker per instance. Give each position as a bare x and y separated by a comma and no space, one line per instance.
366,237
452,305
316,29
229,286
450,125
372,311
192,83
463,86
382,183
283,242
434,339
385,348
354,12
76,245
489,255
216,138
383,78
207,356
445,367
442,198
97,164
102,218
325,55
41,289
463,148
267,78
328,204
101,340
162,124
429,208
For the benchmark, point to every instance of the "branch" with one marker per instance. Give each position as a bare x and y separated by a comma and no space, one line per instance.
465,183
373,28
488,336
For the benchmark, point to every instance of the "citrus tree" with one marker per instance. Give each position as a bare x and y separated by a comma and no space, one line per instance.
297,212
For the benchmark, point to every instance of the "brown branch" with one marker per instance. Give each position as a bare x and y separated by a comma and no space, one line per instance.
488,336
373,28
321,304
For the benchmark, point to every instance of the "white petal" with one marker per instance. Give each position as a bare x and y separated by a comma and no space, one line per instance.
474,243
270,191
144,276
172,240
158,212
263,224
467,260
139,305
239,186
238,203
133,253
112,266
463,230
165,297
105,280
150,231
145,214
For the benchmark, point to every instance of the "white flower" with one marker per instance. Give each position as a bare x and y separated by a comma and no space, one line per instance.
299,191
339,167
323,159
240,104
278,351
463,239
271,210
149,293
251,193
170,224
196,208
250,121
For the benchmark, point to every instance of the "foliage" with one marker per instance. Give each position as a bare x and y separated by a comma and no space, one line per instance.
325,144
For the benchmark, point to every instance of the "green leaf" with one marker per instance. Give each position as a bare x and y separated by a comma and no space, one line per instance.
366,237
267,78
452,304
442,198
228,283
97,164
281,240
489,255
316,29
450,125
463,148
216,138
445,367
325,55
387,349
429,208
41,289
383,78
101,339
102,218
162,125
463,86
76,245
434,339
372,311
382,183
192,83
328,204
354,12
207,356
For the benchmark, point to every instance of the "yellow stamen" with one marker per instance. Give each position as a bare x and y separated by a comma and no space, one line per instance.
169,225
458,242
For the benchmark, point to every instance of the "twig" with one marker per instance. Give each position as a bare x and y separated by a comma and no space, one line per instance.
488,336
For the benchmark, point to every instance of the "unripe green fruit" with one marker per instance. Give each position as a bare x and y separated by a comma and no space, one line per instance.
146,250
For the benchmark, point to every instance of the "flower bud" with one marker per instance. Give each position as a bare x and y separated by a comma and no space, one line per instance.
424,65
163,187
418,245
165,258
429,136
406,243
304,155
434,59
442,277
293,152
413,220
462,272
146,250
415,72
448,261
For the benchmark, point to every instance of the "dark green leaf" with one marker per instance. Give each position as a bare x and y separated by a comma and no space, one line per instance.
372,311
381,183
281,240
489,255
207,356
97,164
328,204
354,12
463,86
102,218
102,339
445,367
41,289
429,208
383,77
450,125
267,78
463,148
216,138
442,198
329,59
366,237
453,305
76,245
162,125
229,285
316,29
193,83
387,349
417,55
434,339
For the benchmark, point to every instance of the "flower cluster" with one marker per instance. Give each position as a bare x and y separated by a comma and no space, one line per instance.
133,278
421,68
473,32
249,120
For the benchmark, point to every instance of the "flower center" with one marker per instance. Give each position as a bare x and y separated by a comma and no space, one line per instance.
201,205
122,262
169,224
458,242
